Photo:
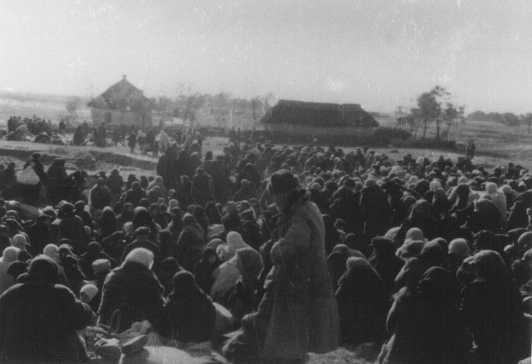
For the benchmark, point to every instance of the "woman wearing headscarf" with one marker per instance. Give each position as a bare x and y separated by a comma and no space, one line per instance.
52,252
131,292
212,213
492,310
462,207
9,255
298,311
126,215
158,182
486,216
141,217
190,243
422,217
375,209
74,276
39,233
518,216
362,303
385,262
43,332
71,227
94,252
189,315
458,251
425,324
497,197
108,222
432,254
204,269
243,297
165,273
20,241
234,241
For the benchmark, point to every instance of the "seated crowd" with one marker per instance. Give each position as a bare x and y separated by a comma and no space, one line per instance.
429,260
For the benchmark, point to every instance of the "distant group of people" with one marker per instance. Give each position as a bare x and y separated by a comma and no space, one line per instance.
303,248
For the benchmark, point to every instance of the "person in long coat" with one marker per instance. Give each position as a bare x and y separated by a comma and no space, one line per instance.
39,318
298,311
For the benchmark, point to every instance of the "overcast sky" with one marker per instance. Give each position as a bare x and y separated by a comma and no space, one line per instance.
380,53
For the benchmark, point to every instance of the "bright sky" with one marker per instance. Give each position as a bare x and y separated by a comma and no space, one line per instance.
380,53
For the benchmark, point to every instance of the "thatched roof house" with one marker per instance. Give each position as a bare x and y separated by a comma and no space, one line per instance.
122,103
318,115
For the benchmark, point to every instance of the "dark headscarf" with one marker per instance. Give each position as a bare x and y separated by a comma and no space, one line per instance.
437,285
108,222
43,271
205,268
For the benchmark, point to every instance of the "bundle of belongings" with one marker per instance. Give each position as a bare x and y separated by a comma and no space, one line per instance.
140,344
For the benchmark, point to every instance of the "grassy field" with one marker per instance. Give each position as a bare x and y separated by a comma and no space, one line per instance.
496,143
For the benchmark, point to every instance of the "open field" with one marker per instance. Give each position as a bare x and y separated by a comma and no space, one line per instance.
496,143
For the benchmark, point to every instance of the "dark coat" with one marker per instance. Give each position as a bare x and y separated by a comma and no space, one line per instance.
493,313
426,327
71,227
190,246
375,210
362,304
189,314
39,322
385,262
298,306
135,291
100,197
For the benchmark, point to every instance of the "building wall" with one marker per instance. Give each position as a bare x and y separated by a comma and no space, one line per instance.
118,117
294,129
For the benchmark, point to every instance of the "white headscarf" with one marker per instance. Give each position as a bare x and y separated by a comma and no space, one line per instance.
234,241
51,251
142,256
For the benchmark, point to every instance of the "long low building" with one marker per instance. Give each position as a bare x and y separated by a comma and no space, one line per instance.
313,117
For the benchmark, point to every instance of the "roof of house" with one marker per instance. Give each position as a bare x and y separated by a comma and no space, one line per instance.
318,114
122,96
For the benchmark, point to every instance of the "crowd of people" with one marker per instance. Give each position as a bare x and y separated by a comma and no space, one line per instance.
305,248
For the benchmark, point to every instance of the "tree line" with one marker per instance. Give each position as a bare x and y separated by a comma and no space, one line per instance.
434,108
506,118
